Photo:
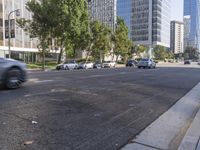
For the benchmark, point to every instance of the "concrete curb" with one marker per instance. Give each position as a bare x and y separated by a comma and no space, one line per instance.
169,129
191,140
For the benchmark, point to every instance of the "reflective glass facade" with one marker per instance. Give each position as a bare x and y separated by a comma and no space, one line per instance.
124,10
187,7
148,20
192,8
104,11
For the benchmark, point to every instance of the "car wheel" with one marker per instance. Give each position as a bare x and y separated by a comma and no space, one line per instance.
139,67
14,78
66,68
76,67
150,67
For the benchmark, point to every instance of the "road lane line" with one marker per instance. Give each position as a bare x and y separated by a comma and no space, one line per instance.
61,91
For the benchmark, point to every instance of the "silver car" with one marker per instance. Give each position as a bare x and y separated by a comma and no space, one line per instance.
109,64
68,65
146,63
86,65
12,73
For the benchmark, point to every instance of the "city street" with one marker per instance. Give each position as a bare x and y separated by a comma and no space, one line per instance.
89,109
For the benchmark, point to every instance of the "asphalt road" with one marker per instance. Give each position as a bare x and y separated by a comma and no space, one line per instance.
88,109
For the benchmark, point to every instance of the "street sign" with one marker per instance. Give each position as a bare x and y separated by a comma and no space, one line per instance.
12,28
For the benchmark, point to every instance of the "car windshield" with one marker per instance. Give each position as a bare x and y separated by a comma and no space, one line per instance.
145,60
67,62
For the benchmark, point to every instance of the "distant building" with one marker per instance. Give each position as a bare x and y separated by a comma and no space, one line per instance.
148,20
187,24
177,37
192,8
124,10
103,11
22,47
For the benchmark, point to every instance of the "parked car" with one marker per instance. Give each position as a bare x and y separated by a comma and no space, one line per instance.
12,73
187,62
146,63
86,65
109,64
67,65
97,65
131,63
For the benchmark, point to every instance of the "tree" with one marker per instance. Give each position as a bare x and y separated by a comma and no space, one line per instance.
39,25
65,21
191,53
139,49
161,53
78,24
72,25
100,40
122,43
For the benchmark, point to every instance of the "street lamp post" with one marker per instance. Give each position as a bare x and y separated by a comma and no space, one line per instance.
17,13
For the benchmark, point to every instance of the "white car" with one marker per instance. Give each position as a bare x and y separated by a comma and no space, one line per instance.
146,63
68,65
109,64
12,73
86,65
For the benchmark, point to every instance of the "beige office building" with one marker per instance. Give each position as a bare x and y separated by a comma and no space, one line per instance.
177,37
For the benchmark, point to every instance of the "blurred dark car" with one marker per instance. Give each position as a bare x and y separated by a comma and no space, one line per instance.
187,62
131,63
12,73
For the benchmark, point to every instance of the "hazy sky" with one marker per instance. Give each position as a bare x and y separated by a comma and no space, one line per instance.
177,10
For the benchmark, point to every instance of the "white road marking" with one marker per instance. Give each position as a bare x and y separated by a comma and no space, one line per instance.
61,91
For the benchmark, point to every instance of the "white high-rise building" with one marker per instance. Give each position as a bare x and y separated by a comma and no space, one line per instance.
177,37
148,20
103,11
22,47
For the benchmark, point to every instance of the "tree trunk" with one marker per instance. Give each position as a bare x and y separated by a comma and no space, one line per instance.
74,53
43,59
60,54
117,58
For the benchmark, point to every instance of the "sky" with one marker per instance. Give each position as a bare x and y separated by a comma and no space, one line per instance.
177,10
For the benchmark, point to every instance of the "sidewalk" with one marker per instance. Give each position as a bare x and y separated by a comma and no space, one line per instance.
178,128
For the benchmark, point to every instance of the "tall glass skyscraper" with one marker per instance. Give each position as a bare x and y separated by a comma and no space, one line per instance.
192,8
104,11
124,10
148,20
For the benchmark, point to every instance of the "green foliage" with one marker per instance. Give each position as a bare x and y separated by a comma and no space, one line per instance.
138,49
122,43
161,53
191,53
100,39
66,21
